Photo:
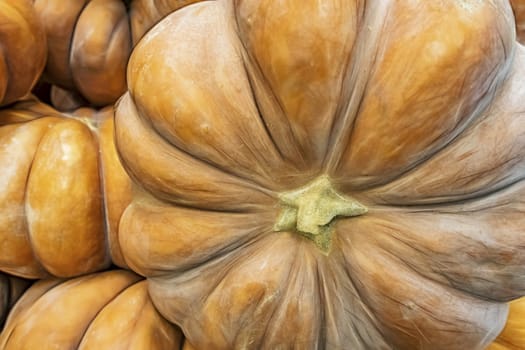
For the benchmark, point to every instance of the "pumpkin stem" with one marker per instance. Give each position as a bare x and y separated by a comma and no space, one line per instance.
310,210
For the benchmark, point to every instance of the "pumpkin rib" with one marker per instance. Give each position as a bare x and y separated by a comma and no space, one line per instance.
36,258
141,217
250,154
87,66
253,69
95,258
69,54
355,82
112,232
100,309
258,108
272,315
478,152
360,299
284,107
137,315
25,70
490,250
404,315
176,192
403,128
120,278
464,205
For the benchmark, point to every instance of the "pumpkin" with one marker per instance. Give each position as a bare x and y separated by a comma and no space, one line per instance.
61,193
513,335
24,49
518,6
328,174
11,288
107,310
89,42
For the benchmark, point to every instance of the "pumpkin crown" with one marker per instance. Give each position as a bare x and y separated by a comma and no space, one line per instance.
309,211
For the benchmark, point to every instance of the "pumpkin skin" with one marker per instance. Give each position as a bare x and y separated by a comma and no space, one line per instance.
518,6
11,288
58,205
412,109
513,335
24,49
89,42
107,310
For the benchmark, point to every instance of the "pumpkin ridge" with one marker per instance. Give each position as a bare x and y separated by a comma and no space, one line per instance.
28,234
355,82
101,308
253,69
149,132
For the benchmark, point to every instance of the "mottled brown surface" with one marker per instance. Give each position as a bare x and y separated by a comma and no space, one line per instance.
413,108
89,42
108,310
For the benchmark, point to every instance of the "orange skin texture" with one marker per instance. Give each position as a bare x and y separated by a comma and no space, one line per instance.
89,42
518,6
63,194
107,310
412,108
513,335
24,49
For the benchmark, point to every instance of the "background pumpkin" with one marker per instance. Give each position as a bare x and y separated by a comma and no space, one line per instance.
513,335
108,310
243,116
518,6
23,49
89,42
11,288
62,192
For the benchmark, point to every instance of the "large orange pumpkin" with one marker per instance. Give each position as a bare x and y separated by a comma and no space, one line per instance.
62,191
24,49
328,174
90,42
108,310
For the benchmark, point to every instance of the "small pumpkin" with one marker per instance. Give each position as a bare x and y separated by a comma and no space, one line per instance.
328,174
518,6
89,42
11,288
107,310
24,49
61,191
513,335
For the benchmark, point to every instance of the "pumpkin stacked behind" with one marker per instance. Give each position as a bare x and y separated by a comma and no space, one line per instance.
11,288
108,310
89,42
513,335
61,194
23,54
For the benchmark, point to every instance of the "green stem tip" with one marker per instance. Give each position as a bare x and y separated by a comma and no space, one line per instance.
310,210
